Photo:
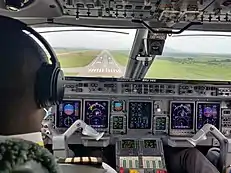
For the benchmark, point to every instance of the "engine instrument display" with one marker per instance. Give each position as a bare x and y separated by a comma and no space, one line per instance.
182,115
128,144
139,115
208,113
149,143
96,113
118,122
67,113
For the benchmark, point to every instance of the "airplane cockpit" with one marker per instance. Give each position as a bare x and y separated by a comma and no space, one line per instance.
142,77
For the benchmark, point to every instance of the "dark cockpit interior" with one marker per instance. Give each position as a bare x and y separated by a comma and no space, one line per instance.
143,79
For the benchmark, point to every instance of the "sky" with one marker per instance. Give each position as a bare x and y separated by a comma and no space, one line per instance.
104,40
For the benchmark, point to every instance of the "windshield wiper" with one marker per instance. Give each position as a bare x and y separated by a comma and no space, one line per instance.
71,30
202,35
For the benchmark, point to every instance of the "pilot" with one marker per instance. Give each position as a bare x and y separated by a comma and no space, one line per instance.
21,56
21,117
189,160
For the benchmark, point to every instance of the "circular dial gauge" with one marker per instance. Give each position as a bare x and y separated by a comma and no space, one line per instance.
182,116
68,121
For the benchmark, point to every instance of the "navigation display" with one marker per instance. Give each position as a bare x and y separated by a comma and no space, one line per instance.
182,114
139,115
67,113
149,143
208,113
128,144
96,113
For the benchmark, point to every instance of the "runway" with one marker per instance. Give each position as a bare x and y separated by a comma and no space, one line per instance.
103,65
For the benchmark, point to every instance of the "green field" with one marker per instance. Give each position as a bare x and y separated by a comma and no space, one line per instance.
204,67
196,70
79,58
121,57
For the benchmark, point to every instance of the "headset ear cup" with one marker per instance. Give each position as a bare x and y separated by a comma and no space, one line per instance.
58,86
49,87
43,92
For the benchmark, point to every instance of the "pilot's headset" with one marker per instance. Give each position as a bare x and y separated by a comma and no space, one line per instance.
49,86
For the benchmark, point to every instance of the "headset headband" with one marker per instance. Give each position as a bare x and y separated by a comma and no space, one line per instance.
13,24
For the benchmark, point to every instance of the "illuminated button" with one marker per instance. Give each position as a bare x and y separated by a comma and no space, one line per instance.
133,171
124,164
161,171
121,170
130,164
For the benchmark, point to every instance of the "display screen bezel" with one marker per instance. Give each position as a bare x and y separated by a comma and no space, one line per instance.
193,116
219,115
151,116
57,107
99,100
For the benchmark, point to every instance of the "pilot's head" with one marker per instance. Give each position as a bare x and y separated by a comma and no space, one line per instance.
20,57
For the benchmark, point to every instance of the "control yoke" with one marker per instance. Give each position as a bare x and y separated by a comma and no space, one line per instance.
224,143
60,144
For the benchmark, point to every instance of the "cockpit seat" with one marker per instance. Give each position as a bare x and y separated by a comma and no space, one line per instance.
81,165
213,156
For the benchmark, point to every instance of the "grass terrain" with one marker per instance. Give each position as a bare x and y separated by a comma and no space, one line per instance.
200,67
121,57
79,58
189,68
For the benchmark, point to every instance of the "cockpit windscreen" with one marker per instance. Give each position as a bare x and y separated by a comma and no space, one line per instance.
139,115
182,115
96,113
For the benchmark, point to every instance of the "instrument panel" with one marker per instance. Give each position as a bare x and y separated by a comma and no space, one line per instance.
182,117
124,109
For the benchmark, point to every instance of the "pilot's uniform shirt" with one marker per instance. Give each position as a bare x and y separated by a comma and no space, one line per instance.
35,137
